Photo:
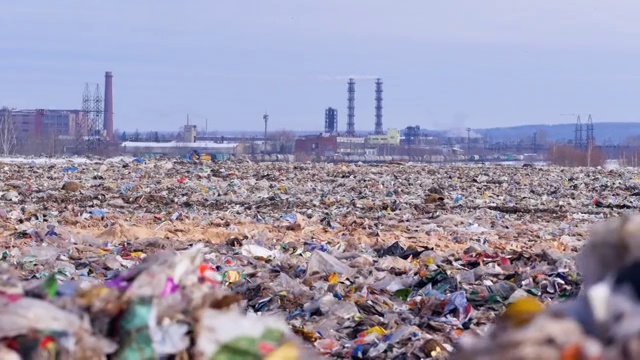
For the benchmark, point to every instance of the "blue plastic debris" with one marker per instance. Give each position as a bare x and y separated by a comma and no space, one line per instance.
99,212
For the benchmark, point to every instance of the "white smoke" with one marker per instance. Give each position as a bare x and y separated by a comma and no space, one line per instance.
462,133
460,118
345,77
267,76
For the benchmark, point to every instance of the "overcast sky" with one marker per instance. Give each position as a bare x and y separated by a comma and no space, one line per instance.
444,64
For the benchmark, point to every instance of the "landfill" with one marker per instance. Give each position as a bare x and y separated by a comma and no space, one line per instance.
177,259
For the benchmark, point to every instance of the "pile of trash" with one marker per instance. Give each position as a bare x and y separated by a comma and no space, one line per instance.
602,322
167,306
164,258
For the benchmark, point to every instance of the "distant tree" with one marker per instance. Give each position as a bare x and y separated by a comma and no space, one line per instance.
572,157
124,136
7,133
282,140
136,135
156,137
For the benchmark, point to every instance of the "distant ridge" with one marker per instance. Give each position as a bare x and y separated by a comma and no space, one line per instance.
605,132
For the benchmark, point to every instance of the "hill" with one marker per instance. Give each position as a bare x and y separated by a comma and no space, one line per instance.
604,132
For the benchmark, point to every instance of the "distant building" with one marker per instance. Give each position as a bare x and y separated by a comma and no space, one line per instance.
216,150
189,133
350,146
316,145
30,124
392,137
329,145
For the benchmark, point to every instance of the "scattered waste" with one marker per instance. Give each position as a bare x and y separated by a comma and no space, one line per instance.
172,258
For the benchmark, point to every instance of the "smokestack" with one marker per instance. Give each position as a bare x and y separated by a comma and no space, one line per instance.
108,104
351,107
379,130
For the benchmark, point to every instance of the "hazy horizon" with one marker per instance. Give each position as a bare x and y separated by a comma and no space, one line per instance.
461,64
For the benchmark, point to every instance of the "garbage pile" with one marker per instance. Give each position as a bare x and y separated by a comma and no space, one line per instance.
168,306
602,322
166,258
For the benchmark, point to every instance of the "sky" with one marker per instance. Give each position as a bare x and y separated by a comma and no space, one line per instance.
444,64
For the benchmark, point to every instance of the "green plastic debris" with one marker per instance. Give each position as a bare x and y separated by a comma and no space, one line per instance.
51,285
249,348
403,294
135,340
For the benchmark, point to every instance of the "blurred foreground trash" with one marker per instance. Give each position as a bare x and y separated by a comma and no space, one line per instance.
157,309
602,322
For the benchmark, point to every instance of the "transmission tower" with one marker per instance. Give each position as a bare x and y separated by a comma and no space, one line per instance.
96,123
578,139
82,124
591,139
88,126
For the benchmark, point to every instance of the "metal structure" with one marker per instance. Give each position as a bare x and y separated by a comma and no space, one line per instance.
578,141
87,109
95,122
468,140
83,123
265,117
97,112
412,134
378,129
351,107
331,120
88,126
590,138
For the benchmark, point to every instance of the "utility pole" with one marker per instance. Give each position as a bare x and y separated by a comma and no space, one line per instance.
265,117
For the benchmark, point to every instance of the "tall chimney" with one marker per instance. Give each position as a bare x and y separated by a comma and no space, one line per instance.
108,104
379,130
351,107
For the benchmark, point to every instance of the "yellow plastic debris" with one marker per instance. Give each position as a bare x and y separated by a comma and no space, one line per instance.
521,311
288,351
375,330
333,279
232,276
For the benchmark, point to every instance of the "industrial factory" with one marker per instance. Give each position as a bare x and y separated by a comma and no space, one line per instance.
40,131
331,144
90,129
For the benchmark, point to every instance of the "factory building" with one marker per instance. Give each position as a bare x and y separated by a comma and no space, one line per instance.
316,145
35,123
329,145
